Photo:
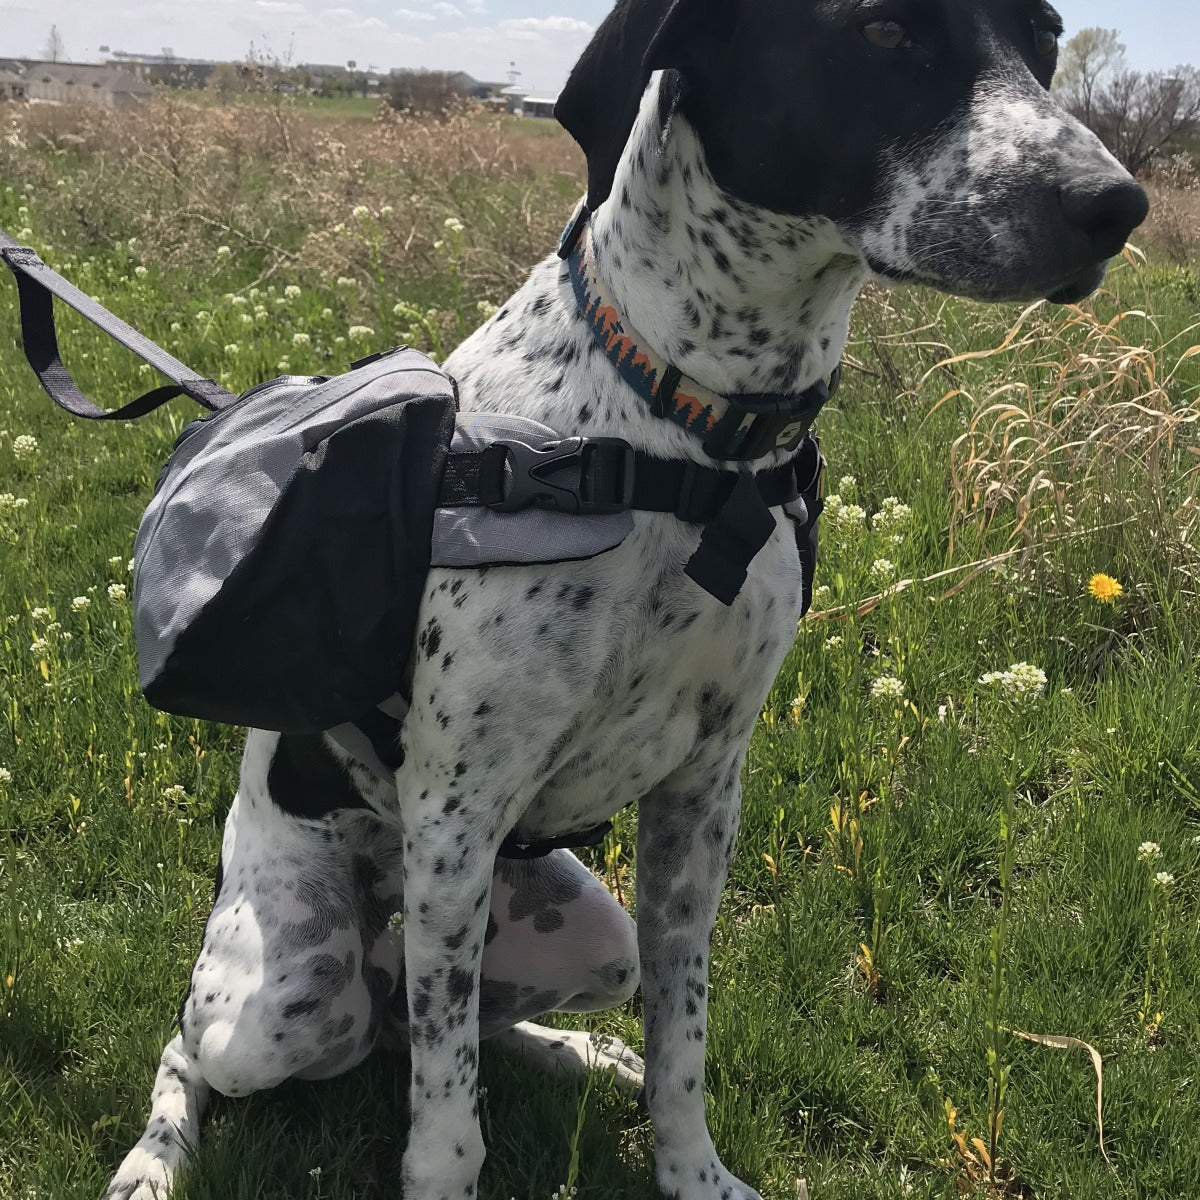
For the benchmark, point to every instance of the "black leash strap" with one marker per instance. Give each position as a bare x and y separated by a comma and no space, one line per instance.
37,285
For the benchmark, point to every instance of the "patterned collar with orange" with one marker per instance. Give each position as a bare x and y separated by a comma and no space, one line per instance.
731,427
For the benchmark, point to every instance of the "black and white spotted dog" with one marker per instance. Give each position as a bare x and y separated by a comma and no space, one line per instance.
751,163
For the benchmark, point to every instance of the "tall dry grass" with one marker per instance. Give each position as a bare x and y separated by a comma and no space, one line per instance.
280,187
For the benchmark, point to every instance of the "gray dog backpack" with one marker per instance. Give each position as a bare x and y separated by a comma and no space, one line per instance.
280,566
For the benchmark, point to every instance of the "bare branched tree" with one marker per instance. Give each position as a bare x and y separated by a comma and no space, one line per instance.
1134,113
55,50
424,91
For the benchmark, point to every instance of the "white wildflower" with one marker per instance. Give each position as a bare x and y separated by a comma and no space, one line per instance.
327,313
1148,851
116,591
892,519
11,503
360,212
231,349
116,560
832,643
40,614
292,292
239,300
1164,879
24,446
300,339
386,210
487,310
848,486
283,366
344,281
822,593
5,775
887,687
39,648
141,272
454,225
223,252
175,794
176,326
849,518
81,603
1022,681
883,570
360,333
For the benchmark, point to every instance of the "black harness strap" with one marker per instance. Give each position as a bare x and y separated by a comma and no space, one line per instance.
598,475
37,285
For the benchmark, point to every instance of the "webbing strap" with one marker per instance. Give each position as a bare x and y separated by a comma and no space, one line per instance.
692,492
37,285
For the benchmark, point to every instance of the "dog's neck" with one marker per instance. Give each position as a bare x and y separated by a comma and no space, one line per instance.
738,298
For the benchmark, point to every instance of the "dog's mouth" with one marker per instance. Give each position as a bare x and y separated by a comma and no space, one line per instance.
1065,290
1082,285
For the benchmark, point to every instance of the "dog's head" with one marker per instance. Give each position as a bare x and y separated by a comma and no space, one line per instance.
924,129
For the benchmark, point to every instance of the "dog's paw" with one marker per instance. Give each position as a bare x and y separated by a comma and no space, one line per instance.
612,1056
141,1176
695,1173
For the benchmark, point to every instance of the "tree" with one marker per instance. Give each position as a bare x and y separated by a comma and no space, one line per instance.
1082,65
424,91
54,51
225,79
1134,113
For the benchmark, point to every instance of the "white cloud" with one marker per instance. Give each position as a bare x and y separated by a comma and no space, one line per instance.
409,14
542,26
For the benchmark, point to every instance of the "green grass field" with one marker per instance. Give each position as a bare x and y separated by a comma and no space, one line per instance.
927,861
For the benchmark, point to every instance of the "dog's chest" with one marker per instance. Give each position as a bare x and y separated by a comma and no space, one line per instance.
576,687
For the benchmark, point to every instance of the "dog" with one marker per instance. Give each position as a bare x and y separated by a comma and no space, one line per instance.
751,164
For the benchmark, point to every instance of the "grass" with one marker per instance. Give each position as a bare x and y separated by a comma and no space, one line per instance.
859,976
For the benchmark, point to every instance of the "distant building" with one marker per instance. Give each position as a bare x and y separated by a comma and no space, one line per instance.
164,68
534,105
82,83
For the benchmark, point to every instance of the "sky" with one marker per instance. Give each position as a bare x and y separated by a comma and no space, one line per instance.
485,37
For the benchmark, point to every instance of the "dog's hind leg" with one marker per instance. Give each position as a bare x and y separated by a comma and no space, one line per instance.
176,1106
557,940
297,965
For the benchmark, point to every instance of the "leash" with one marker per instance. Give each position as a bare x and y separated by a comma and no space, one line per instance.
37,286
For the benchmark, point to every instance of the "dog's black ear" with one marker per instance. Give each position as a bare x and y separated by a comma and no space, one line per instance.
600,102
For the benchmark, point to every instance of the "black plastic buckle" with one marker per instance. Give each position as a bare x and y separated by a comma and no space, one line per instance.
576,475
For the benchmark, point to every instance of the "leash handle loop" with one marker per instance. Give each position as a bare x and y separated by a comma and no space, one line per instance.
37,285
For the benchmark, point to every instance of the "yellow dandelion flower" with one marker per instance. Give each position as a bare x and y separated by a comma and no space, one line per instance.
1104,588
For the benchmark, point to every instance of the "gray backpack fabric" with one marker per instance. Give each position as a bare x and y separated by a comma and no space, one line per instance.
280,567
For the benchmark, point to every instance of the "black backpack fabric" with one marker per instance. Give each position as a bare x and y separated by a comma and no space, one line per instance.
280,566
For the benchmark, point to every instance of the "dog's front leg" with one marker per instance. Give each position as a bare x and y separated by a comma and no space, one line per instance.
449,857
686,831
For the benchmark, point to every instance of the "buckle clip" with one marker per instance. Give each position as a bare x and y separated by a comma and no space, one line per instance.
577,475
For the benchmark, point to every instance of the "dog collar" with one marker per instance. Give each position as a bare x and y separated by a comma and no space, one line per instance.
737,427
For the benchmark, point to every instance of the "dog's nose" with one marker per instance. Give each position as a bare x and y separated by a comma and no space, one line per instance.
1106,208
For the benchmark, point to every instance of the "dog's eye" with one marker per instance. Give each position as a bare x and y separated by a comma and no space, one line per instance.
1045,40
888,35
